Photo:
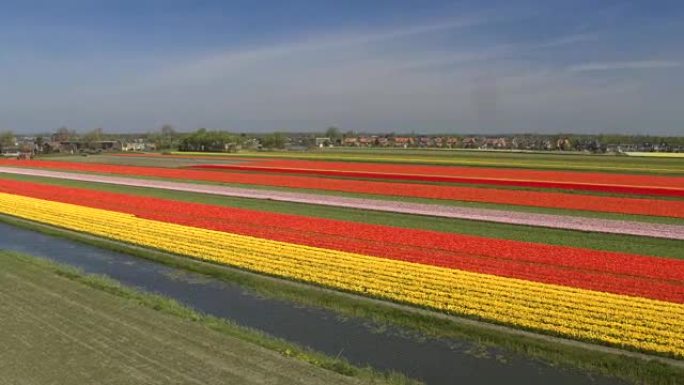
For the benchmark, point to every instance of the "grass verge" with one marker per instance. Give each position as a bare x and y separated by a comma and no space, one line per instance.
171,307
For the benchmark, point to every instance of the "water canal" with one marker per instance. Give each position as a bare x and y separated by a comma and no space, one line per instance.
434,361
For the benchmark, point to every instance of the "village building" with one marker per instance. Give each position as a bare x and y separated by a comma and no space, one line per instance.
403,141
350,141
323,142
366,141
136,145
495,143
470,143
452,142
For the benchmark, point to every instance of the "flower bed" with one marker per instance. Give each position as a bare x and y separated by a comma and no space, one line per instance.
620,273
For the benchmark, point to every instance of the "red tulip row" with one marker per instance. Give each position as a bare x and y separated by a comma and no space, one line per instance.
478,172
481,172
639,206
609,178
597,185
635,275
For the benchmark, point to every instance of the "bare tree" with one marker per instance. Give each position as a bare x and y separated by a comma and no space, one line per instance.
167,130
165,138
91,138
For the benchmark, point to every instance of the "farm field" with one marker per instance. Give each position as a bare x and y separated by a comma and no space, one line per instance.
541,160
612,242
609,183
592,256
119,338
633,204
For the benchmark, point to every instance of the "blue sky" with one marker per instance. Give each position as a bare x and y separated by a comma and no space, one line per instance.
423,66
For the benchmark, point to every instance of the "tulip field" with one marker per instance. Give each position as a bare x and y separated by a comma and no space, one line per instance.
610,183
627,300
635,205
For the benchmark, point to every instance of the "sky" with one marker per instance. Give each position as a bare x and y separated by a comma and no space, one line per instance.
374,66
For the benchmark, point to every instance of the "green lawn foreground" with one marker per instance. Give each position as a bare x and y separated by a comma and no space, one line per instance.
60,326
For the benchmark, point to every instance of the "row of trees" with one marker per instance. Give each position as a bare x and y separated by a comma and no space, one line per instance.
89,138
167,138
205,140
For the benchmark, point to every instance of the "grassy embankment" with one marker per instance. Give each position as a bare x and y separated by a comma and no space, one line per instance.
62,326
610,242
633,369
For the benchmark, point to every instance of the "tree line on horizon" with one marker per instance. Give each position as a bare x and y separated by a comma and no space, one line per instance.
168,138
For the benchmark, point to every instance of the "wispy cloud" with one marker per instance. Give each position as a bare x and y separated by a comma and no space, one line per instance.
493,53
403,32
624,65
391,49
218,64
566,40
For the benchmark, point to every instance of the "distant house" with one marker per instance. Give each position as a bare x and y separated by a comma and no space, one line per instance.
495,143
425,141
10,152
403,141
132,146
366,141
135,145
323,142
470,143
627,147
451,142
350,141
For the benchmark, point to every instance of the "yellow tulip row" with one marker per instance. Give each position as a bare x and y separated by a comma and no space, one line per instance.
629,322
